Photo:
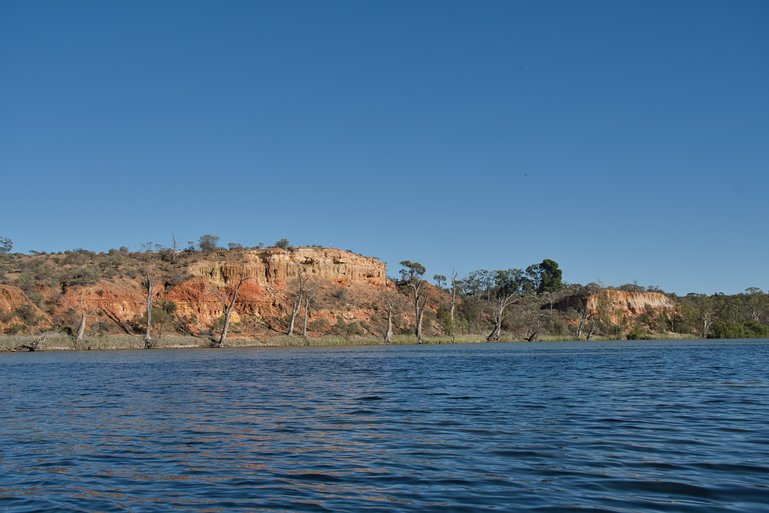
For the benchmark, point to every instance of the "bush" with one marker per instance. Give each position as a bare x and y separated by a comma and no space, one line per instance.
26,314
283,244
208,242
749,329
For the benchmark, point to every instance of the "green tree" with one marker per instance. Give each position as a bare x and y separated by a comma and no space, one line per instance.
412,274
509,285
283,244
545,276
208,242
6,245
552,277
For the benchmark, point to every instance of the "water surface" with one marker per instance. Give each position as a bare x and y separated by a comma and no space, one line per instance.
621,426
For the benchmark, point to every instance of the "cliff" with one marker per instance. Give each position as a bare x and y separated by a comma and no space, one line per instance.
191,289
348,294
276,268
627,304
616,306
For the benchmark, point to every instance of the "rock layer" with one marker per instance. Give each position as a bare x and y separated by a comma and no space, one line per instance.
276,268
628,304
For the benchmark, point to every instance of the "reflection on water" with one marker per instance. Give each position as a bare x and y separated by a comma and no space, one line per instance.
650,426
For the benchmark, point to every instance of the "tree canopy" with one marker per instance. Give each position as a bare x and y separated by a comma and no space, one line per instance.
6,245
208,242
412,270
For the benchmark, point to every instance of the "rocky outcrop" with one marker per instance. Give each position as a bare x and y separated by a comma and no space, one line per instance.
628,304
118,302
275,268
196,285
618,305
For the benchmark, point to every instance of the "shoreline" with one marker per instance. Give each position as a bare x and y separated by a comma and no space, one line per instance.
63,343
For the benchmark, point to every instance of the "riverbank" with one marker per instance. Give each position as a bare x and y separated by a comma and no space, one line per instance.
17,343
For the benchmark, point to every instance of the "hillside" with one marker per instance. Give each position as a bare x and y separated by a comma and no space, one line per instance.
49,292
342,294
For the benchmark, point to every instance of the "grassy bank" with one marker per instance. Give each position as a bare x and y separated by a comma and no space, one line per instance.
58,342
125,342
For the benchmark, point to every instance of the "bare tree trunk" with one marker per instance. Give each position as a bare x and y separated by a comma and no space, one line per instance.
37,344
81,328
494,335
705,326
420,311
294,312
111,315
420,302
388,337
582,320
228,314
590,331
298,301
453,298
174,248
148,335
307,302
499,316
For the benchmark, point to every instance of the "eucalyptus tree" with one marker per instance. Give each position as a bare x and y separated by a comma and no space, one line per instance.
454,284
208,242
6,245
509,286
411,275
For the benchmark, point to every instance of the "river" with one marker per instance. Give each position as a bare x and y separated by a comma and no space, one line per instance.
600,426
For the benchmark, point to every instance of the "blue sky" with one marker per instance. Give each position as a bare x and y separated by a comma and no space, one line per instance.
629,141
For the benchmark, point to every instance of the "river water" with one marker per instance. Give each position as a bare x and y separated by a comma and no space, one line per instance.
599,426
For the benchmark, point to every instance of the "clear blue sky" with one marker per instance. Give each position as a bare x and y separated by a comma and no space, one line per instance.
625,140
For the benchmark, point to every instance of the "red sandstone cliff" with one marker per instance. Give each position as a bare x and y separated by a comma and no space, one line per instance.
345,287
621,304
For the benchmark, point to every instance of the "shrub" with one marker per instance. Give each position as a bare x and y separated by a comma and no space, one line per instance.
283,244
208,242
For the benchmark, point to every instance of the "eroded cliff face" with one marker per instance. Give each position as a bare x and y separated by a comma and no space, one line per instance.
116,303
621,304
276,268
344,286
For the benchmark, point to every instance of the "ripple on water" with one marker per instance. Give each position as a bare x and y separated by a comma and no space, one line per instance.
640,427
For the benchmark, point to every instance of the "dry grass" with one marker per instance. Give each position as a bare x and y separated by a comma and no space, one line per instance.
59,342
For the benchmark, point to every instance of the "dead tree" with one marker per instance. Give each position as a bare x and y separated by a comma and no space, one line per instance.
114,317
590,330
388,336
229,305
149,283
392,302
420,302
307,303
499,315
298,302
37,344
453,297
294,311
583,318
81,328
174,248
